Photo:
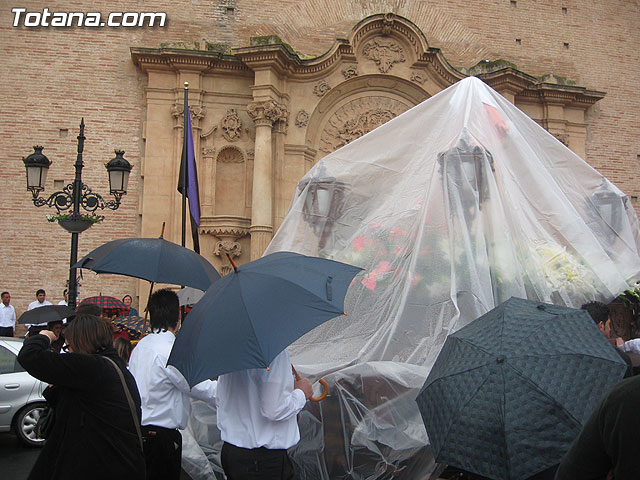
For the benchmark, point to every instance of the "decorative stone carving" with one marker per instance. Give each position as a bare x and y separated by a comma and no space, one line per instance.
267,112
250,153
209,152
227,247
350,72
228,229
384,52
563,137
230,154
231,125
387,23
356,118
321,88
418,78
302,119
197,112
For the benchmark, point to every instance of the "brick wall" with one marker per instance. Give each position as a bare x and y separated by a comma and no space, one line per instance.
54,76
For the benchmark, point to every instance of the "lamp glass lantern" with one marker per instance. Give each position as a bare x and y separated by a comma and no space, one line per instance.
323,200
609,205
118,169
37,166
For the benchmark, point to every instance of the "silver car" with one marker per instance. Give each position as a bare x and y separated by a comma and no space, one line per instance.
21,400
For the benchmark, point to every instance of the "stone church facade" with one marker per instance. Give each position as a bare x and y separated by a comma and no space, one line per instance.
269,96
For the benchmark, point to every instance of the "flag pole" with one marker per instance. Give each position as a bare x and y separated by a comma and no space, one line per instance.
183,164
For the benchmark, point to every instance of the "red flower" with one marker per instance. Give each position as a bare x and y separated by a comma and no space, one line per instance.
369,281
358,243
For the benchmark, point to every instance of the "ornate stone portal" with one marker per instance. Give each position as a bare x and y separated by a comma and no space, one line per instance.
249,162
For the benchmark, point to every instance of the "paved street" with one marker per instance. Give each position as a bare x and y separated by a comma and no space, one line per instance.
15,460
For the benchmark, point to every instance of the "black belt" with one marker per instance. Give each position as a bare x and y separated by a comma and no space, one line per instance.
153,430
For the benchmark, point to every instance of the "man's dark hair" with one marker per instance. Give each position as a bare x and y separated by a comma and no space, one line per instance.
65,292
89,309
3,294
40,290
598,311
164,310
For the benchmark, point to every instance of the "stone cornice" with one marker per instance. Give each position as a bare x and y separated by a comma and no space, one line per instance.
279,58
225,226
563,94
526,87
179,59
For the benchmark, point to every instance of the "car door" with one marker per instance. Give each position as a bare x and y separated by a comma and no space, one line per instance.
16,386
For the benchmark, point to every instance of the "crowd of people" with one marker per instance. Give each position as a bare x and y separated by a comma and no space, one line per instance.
104,390
257,410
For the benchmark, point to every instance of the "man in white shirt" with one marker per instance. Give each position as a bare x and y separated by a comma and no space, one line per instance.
163,390
40,301
257,418
64,302
7,316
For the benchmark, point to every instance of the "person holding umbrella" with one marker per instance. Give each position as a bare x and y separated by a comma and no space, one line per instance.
257,418
164,391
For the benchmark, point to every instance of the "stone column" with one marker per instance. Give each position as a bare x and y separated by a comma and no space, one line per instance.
264,114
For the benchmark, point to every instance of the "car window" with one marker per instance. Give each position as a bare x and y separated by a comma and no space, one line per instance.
9,361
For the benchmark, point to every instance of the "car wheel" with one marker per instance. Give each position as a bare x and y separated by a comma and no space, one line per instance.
24,424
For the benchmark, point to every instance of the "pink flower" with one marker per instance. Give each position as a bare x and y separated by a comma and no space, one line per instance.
398,231
400,250
383,267
358,243
376,224
369,281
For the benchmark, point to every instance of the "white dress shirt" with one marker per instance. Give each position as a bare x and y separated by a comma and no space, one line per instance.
259,407
631,346
37,304
163,390
7,316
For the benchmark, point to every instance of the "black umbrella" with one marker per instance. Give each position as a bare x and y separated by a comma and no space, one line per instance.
509,392
46,314
154,259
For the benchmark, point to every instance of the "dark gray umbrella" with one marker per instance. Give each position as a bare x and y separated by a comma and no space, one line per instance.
154,259
510,391
249,316
46,314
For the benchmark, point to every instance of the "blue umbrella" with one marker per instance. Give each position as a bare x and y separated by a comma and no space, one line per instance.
509,392
154,259
249,316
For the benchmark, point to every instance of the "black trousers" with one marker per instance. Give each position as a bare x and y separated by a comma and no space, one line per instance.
255,463
162,452
6,331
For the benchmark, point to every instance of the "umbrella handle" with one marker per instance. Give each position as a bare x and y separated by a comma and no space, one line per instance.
323,382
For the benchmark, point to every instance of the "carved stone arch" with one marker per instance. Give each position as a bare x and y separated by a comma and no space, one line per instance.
230,184
356,107
391,26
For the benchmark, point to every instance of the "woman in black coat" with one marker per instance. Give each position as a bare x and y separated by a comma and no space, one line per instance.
94,435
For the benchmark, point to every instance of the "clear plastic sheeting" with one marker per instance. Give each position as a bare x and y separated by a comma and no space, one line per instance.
452,208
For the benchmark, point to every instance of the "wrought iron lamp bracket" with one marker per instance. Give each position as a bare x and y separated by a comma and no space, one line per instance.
63,200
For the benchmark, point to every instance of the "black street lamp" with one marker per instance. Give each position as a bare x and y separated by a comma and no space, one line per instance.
76,195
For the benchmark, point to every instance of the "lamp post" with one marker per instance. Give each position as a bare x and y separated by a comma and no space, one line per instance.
76,195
